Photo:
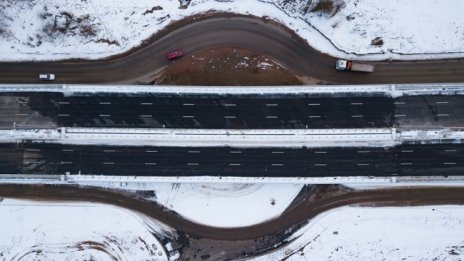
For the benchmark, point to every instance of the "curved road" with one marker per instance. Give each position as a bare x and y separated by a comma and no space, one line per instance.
139,65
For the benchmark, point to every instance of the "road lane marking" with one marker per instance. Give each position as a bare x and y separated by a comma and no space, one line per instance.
406,163
314,116
67,150
271,117
66,162
235,151
63,115
443,115
320,152
314,104
188,116
192,164
109,151
449,163
407,151
32,162
146,103
235,164
230,117
21,114
442,102
364,151
104,103
271,104
399,103
356,103
63,102
230,105
32,149
146,116
277,164
108,163
450,150
320,165
399,115
188,104
357,116
193,151
151,163
363,164
104,115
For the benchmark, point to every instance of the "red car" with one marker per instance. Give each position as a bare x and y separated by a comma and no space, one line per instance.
174,54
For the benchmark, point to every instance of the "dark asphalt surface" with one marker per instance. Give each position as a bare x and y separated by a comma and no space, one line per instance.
264,37
38,110
420,160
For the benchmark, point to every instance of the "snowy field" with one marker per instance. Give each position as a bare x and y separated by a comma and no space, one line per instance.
386,233
33,230
373,29
227,205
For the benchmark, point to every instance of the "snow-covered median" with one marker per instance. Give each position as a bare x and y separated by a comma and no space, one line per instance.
75,231
386,233
374,29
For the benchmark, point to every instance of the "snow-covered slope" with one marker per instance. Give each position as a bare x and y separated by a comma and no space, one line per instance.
375,29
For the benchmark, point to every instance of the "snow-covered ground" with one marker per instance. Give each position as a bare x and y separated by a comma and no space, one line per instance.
385,233
33,230
374,29
226,204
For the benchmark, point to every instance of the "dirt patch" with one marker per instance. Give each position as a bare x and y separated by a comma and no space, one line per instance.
327,7
226,66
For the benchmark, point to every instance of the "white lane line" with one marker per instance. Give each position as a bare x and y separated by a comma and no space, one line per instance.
443,115
442,102
193,151
364,151
399,103
230,105
235,164
406,163
277,164
104,103
146,116
450,150
63,115
235,151
32,162
188,104
357,116
104,115
108,163
67,150
449,163
356,103
407,151
151,163
363,164
230,117
399,115
109,151
32,149
314,116
188,116
151,151
63,102
22,102
271,104
66,162
192,164
21,114
271,117
314,104
146,103
278,152
320,165
320,152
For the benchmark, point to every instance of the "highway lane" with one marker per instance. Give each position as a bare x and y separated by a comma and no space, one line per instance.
409,159
289,111
140,65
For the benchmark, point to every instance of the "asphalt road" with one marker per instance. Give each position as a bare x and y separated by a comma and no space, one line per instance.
287,48
49,110
411,160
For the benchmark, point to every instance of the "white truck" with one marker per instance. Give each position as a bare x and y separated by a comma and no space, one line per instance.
345,65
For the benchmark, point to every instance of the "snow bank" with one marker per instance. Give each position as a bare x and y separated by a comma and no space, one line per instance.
75,231
374,29
387,233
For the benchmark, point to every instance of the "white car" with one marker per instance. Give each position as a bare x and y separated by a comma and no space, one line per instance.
47,77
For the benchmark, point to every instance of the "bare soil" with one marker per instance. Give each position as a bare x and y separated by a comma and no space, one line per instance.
226,66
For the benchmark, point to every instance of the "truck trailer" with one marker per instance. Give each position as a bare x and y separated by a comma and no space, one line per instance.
345,65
